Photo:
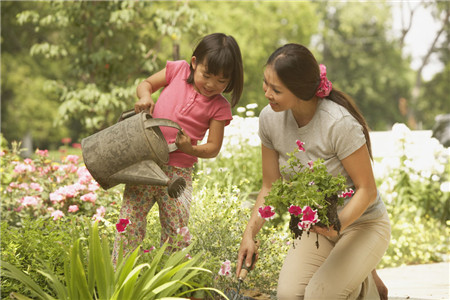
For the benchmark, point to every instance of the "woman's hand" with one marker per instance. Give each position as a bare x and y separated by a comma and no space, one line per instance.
245,255
326,231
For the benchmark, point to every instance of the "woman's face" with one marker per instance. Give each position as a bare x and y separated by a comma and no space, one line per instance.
206,83
279,96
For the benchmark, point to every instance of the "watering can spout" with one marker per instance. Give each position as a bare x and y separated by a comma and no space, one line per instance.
131,152
148,172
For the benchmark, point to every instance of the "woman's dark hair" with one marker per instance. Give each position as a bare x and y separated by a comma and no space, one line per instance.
221,55
299,71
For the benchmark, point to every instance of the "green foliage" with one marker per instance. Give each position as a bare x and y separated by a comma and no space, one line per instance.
352,44
99,280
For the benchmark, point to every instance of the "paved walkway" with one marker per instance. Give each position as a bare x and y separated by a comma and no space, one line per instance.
418,282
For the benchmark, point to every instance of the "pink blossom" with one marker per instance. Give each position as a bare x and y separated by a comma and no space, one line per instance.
311,183
72,158
36,186
70,168
121,226
2,153
309,218
76,145
295,210
266,212
84,177
43,153
73,208
23,168
57,214
66,140
150,249
225,269
311,165
89,197
93,186
56,197
300,145
347,193
24,186
310,214
30,201
184,232
100,213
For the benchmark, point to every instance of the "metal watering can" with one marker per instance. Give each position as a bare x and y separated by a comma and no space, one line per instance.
131,151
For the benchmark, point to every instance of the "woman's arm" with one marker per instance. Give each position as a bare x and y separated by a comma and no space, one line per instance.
359,167
271,172
146,88
209,149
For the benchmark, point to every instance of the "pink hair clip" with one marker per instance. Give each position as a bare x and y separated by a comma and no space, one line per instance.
325,85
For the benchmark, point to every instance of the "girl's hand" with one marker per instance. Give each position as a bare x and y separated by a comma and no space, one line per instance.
329,232
146,104
183,142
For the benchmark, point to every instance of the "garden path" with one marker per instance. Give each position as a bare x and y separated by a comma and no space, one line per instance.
417,282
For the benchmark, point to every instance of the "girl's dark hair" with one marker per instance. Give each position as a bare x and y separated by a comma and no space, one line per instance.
221,55
299,71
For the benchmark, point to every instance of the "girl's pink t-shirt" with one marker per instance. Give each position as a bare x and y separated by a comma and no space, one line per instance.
181,103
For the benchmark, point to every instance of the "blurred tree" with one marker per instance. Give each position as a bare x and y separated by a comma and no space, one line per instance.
26,111
260,27
431,98
362,61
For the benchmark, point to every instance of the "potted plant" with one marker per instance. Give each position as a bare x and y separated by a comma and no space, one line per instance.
309,193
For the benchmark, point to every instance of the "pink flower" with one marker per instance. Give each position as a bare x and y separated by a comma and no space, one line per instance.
311,165
300,145
93,186
225,269
23,168
310,215
36,186
84,177
73,208
295,210
76,145
66,140
56,197
121,226
266,212
184,232
43,153
149,250
57,214
347,193
30,201
89,197
72,158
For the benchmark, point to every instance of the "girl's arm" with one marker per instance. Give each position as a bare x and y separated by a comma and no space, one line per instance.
212,146
146,88
271,172
359,168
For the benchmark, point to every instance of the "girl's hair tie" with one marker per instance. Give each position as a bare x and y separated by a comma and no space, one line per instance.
325,85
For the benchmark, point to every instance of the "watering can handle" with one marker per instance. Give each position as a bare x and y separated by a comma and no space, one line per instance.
163,122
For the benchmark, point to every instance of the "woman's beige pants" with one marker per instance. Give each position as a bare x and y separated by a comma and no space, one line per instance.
340,268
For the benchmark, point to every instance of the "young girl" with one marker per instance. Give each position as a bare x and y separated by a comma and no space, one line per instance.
305,106
192,97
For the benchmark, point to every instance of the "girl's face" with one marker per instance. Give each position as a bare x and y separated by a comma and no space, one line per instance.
206,83
279,96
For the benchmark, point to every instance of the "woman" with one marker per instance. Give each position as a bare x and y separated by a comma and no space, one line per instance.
304,106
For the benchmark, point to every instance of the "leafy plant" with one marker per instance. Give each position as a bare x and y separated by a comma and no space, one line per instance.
129,281
310,194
